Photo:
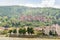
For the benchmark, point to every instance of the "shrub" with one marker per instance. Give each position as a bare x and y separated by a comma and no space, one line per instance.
5,32
41,32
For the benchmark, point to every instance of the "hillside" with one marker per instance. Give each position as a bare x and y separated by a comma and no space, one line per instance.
41,14
18,10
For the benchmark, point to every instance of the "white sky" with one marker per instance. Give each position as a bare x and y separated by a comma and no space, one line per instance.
31,3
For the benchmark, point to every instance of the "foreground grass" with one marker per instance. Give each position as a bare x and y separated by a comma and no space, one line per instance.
10,38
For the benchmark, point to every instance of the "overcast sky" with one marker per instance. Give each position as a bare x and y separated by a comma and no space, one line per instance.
31,3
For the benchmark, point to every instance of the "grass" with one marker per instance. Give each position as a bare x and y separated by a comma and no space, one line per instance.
7,38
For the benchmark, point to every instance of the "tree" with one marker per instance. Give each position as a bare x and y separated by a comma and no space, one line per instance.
43,32
14,31
30,30
10,31
56,33
22,31
53,33
50,33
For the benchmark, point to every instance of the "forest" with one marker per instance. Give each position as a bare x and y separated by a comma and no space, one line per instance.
11,16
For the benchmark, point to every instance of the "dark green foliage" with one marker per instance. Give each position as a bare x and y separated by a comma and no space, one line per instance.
14,31
50,33
22,31
53,33
10,31
30,30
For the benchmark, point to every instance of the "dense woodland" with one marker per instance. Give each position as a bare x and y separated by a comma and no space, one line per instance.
10,16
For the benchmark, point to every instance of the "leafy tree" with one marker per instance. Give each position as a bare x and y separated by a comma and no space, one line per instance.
14,31
20,31
30,30
10,31
50,33
24,31
53,33
43,32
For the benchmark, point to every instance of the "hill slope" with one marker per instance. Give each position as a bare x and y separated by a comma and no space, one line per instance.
18,10
43,15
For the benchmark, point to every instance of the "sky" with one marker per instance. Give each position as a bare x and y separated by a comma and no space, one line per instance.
31,3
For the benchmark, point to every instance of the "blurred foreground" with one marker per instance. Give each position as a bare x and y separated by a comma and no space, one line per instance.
9,38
